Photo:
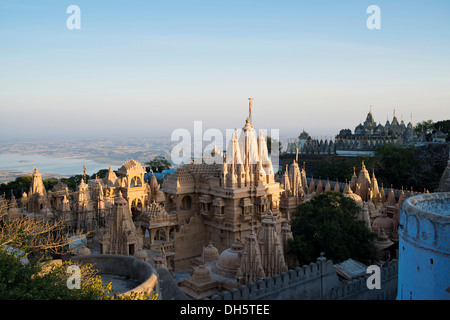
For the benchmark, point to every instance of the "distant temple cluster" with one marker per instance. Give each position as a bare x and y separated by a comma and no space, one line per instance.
366,138
228,223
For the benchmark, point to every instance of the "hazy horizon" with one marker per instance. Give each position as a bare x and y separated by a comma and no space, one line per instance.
146,68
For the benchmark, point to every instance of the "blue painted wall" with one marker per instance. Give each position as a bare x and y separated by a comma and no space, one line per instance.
424,248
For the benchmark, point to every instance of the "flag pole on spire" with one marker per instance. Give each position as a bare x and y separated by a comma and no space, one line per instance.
250,109
84,171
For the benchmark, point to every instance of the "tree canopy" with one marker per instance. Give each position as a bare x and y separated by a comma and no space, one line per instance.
426,127
22,184
158,164
443,126
429,127
17,187
341,169
398,165
328,224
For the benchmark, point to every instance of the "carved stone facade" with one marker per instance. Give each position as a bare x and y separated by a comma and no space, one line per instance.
121,236
230,201
36,199
261,255
231,197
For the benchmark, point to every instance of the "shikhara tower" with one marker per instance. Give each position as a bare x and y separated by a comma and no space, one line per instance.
232,197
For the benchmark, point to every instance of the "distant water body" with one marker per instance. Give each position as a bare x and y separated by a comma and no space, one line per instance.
61,166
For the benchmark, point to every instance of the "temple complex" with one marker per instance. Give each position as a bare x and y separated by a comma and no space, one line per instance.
231,207
366,137
228,223
226,220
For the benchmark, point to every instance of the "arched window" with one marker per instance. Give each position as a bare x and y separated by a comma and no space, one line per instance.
186,203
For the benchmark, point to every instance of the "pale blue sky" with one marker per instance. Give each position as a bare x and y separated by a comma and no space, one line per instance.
139,68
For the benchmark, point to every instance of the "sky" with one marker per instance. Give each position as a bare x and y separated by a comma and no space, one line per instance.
146,68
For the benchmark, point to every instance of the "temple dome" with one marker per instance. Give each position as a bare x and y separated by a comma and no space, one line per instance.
385,223
201,275
354,196
211,253
229,259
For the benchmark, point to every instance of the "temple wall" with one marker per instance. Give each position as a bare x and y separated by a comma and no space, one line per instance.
189,242
311,283
357,288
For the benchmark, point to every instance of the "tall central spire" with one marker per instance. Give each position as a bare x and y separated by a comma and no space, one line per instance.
250,101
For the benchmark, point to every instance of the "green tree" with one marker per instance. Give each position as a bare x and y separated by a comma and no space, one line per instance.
398,165
392,163
100,174
426,126
73,181
342,168
444,126
158,164
17,187
49,182
328,224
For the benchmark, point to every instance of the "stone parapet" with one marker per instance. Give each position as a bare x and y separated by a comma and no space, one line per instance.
125,266
424,247
425,221
316,281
